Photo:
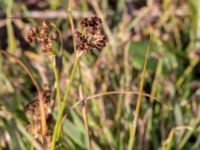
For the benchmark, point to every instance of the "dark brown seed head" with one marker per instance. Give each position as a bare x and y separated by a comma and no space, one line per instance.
91,24
95,21
100,43
94,37
45,38
84,22
99,39
81,42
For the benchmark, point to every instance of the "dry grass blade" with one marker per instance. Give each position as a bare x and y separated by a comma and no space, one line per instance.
167,144
117,92
40,95
49,14
85,118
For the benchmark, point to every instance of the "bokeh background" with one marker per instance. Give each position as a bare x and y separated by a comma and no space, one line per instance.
173,72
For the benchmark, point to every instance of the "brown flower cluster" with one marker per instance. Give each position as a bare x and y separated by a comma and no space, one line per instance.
32,109
91,24
93,35
43,36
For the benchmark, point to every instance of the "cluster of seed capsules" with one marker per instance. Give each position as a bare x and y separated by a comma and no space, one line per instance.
92,36
43,36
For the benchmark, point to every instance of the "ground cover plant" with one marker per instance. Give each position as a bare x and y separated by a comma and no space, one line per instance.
101,74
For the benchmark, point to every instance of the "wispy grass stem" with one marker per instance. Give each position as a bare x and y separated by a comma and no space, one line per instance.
138,105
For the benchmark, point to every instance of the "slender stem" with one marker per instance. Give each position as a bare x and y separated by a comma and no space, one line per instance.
64,104
71,78
138,105
57,85
85,119
59,65
112,93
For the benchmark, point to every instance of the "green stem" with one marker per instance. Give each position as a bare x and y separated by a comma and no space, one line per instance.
71,78
63,104
57,85
139,102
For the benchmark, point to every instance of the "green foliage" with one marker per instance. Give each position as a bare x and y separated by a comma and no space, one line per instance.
172,77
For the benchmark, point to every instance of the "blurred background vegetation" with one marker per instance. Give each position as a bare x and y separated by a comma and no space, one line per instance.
173,73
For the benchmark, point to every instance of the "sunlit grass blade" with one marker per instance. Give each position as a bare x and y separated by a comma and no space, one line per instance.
139,102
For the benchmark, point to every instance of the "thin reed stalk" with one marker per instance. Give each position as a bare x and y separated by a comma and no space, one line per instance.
117,92
85,118
138,105
57,80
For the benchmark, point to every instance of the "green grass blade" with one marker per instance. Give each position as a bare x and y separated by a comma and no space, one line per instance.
139,102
